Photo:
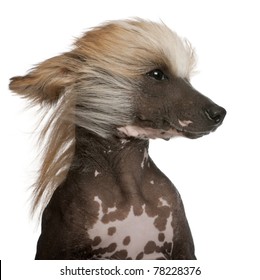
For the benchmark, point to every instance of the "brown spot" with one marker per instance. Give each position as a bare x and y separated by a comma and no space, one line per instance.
126,240
99,251
150,247
111,248
111,230
116,215
167,246
151,211
97,240
161,236
158,249
119,255
140,256
138,210
161,221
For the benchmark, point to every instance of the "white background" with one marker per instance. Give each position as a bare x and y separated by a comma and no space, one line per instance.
217,175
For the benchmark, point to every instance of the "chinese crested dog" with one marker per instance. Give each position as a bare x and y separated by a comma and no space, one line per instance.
103,197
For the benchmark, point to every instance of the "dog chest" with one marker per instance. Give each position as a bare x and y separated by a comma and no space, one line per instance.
130,234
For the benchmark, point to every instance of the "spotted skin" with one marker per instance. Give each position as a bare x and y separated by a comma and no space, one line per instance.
147,224
130,210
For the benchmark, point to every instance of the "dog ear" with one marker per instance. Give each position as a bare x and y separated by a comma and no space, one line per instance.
47,82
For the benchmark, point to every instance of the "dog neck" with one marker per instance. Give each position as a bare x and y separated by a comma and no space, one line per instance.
125,159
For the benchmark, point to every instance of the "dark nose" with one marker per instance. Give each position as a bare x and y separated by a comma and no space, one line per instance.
215,113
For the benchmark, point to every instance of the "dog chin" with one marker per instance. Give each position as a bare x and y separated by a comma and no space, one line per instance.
192,135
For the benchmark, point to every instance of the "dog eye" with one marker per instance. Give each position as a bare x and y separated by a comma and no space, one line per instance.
157,74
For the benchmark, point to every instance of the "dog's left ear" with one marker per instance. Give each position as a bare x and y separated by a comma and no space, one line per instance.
47,81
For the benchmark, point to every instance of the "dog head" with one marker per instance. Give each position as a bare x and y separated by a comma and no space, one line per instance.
123,78
169,106
129,77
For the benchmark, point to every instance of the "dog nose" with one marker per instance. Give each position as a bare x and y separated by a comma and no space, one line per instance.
215,113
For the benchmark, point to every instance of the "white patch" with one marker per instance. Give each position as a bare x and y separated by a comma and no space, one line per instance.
163,202
145,133
98,200
152,182
124,141
145,158
97,173
141,229
184,123
111,209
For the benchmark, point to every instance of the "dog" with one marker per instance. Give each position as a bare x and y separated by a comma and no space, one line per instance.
123,83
